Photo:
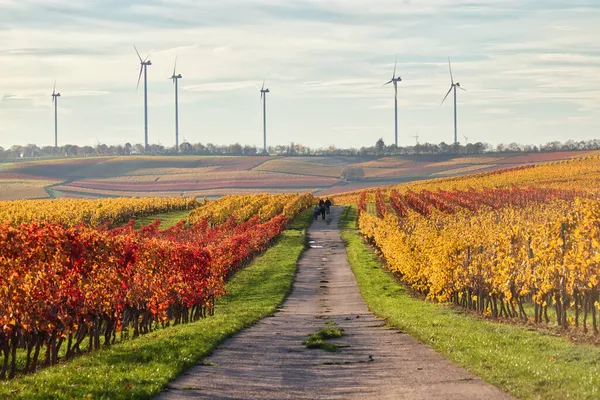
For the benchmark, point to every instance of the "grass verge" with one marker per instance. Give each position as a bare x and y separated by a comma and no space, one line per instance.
140,368
524,362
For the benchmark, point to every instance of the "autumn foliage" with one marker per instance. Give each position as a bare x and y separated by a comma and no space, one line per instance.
512,243
79,287
90,212
243,207
577,174
495,250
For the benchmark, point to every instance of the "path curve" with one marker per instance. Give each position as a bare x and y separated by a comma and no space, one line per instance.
268,360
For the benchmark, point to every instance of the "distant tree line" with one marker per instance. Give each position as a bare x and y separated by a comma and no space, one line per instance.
293,149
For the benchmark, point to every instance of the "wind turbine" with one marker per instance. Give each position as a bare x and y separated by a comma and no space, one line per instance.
176,77
395,81
143,68
417,137
55,97
263,96
466,140
453,86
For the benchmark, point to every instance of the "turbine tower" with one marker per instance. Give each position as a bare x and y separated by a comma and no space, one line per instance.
176,77
453,87
263,96
55,97
395,81
143,68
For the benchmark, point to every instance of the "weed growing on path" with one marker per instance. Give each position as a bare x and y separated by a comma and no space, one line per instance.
318,339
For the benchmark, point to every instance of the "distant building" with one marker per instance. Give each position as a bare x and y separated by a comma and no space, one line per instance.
352,174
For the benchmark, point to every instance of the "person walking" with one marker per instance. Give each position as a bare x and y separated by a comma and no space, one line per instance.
327,205
316,212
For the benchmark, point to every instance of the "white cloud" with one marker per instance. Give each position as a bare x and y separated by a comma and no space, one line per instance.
87,93
324,62
219,86
497,111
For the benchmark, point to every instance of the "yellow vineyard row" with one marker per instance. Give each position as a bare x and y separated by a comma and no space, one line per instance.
495,261
244,207
90,212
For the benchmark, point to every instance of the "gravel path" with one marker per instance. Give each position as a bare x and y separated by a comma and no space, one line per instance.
268,361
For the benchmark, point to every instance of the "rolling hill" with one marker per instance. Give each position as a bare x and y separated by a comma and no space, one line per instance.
211,176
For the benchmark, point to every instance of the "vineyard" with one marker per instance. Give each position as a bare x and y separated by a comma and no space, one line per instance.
90,212
243,207
68,281
496,243
578,174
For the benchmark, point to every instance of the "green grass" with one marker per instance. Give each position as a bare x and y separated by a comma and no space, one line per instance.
348,219
318,339
140,368
524,362
167,219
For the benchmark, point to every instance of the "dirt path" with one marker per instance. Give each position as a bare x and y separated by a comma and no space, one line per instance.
268,361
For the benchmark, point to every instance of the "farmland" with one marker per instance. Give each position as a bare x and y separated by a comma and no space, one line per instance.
522,359
82,281
148,176
14,189
515,244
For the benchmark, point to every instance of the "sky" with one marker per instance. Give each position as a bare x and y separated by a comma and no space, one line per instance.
531,70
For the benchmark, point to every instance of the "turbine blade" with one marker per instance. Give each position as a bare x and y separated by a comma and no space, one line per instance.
54,90
395,62
446,95
138,53
450,67
387,83
175,66
148,56
139,77
263,85
461,88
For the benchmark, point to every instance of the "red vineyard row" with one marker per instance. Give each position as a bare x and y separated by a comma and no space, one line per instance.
71,286
451,201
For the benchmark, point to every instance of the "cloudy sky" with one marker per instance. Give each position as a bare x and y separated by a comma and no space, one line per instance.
531,69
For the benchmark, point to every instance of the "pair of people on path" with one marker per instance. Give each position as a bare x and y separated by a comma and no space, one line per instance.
322,208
